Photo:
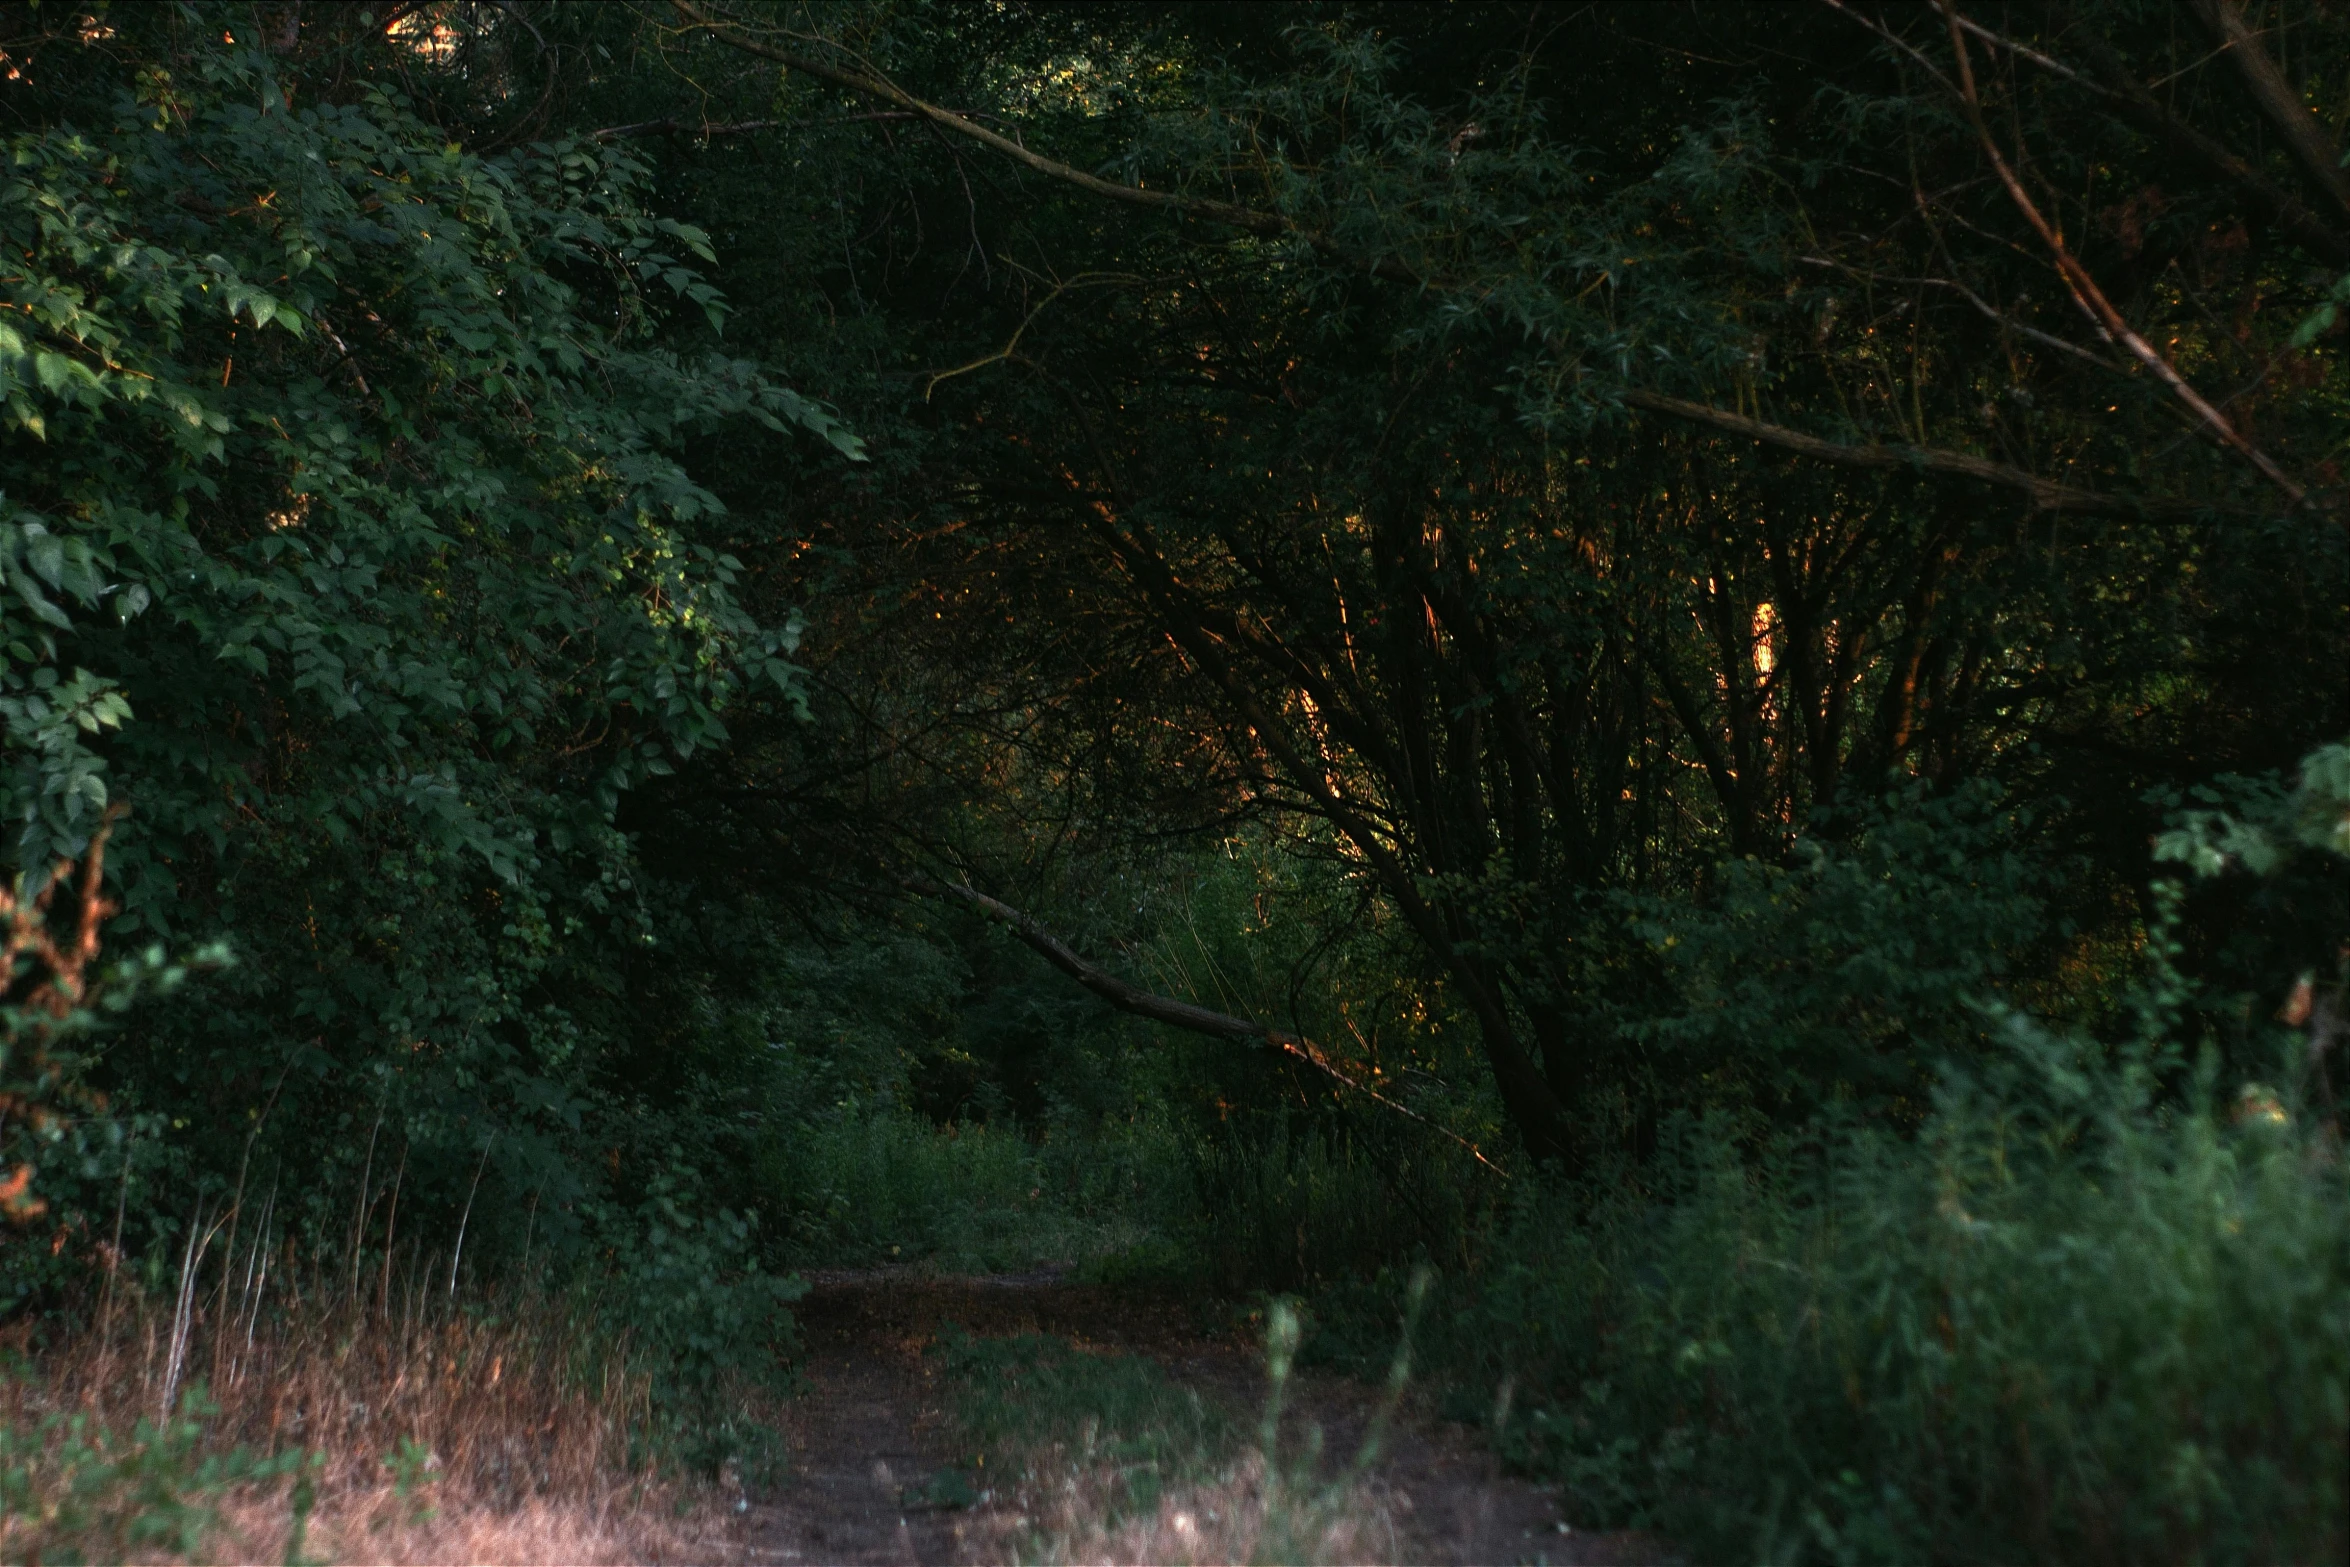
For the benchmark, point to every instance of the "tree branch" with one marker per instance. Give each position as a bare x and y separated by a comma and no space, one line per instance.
2281,208
2044,492
2320,159
1982,307
1229,214
2047,494
1177,1014
699,130
2084,286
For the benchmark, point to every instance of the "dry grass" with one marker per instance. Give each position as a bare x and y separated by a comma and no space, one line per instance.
438,1434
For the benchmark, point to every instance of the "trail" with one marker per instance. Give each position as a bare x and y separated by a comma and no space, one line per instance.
873,1428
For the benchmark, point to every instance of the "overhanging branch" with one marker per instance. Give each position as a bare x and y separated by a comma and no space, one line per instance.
1179,1014
2045,493
2085,290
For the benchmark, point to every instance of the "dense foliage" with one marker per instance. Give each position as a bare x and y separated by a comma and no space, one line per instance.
1606,605
351,549
1543,466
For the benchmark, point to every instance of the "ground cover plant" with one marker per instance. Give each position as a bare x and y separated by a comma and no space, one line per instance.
1680,663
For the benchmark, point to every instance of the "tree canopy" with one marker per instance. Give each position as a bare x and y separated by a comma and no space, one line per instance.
1532,459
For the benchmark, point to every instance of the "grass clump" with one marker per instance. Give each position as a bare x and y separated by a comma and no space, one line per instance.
1035,1399
1103,1458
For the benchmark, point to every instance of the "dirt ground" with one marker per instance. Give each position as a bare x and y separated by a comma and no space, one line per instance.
873,1425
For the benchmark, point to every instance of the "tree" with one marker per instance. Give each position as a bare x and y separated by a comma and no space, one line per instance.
1548,460
349,543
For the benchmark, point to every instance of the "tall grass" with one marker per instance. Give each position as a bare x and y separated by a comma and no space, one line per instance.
2067,1323
1293,1206
879,1184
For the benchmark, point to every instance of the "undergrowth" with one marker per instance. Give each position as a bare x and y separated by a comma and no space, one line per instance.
2070,1322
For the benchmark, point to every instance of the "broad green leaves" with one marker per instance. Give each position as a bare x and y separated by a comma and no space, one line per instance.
348,541
376,426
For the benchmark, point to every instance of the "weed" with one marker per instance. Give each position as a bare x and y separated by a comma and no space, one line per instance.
1115,1414
75,1489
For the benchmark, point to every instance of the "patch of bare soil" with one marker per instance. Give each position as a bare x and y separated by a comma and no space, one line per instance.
872,1431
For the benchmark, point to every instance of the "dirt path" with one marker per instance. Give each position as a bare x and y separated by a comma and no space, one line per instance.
872,1431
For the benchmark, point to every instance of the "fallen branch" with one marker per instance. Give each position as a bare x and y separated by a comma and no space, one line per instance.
1179,1014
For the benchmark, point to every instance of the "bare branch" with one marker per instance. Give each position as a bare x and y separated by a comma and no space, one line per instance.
2320,159
2084,287
2026,52
2047,494
1982,305
2280,207
699,130
1012,347
2126,93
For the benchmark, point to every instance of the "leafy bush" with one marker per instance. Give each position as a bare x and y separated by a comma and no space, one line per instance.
687,1291
2067,1324
75,1489
1849,972
348,533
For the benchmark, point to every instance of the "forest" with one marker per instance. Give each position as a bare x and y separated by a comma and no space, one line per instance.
1153,780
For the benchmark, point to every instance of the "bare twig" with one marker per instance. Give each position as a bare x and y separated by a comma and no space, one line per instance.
1983,306
457,1253
360,1205
698,130
261,1279
1082,280
184,1308
383,1287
